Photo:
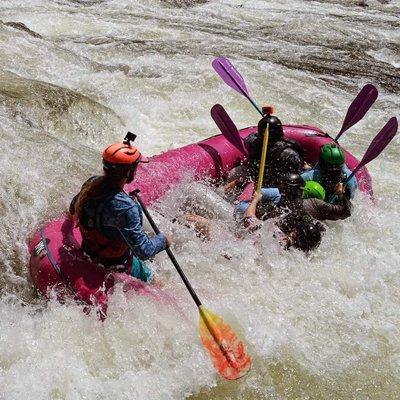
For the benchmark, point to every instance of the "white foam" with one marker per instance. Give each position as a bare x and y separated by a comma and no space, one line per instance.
325,326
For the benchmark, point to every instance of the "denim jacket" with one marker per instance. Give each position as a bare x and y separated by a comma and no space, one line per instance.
121,217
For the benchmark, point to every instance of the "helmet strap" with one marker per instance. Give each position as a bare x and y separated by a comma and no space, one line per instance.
130,175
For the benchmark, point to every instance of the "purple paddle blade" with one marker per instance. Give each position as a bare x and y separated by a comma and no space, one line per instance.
230,75
381,140
378,144
227,127
232,78
359,107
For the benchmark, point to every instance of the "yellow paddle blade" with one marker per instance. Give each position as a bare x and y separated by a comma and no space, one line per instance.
226,350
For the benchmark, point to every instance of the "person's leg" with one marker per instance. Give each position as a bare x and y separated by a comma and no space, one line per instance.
141,270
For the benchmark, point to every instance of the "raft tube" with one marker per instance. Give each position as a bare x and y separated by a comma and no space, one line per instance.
57,261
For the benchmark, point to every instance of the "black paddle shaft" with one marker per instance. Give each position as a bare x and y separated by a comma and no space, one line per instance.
168,250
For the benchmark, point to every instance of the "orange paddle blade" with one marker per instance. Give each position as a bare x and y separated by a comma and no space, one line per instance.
226,350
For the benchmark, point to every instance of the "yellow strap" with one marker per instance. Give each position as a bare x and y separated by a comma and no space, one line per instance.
263,158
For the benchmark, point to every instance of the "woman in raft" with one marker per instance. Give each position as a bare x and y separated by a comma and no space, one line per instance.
110,221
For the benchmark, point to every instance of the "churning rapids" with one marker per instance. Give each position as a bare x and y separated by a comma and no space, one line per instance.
76,74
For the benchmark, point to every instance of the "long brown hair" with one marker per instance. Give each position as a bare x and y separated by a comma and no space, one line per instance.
94,188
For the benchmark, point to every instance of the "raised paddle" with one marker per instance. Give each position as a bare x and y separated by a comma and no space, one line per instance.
378,144
358,108
227,127
232,78
225,349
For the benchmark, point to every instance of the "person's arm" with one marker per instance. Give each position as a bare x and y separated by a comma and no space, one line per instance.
240,209
251,209
322,210
343,201
231,185
201,225
136,238
126,216
250,220
268,194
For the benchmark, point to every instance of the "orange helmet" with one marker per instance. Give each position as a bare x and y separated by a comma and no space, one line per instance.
122,156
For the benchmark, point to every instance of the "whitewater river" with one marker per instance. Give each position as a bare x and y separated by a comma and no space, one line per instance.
76,74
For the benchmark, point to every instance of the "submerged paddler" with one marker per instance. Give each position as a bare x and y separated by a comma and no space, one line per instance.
297,227
111,221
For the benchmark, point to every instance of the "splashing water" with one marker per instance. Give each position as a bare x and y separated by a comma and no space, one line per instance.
75,75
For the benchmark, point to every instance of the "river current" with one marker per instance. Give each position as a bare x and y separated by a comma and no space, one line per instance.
76,74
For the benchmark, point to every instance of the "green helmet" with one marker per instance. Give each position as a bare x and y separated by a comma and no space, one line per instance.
313,189
331,155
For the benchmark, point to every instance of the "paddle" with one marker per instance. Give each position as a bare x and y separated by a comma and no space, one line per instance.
378,144
225,349
232,78
263,158
230,132
358,108
227,127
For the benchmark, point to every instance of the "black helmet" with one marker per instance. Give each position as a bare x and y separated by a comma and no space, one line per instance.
291,185
275,127
292,180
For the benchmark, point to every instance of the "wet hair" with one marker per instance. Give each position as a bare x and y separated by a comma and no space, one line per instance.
98,187
308,236
90,190
307,231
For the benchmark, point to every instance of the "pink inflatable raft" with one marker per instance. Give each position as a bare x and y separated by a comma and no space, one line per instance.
56,258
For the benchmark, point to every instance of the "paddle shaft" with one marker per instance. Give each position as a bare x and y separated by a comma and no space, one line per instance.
378,144
241,90
168,250
203,312
263,158
333,197
347,180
